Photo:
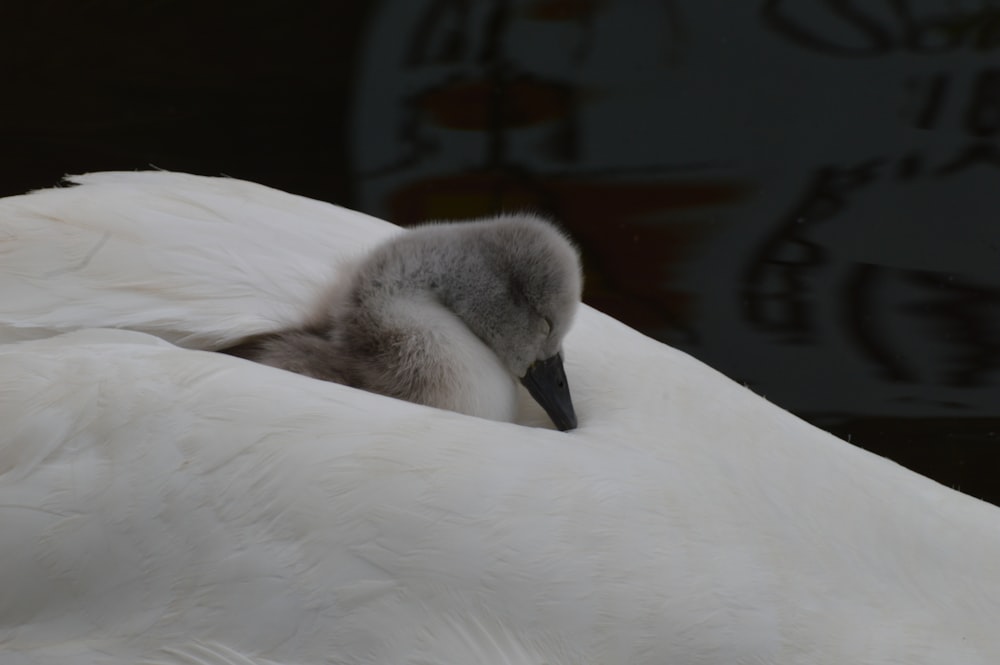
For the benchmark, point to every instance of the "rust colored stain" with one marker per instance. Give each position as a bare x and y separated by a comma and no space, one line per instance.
570,198
481,104
465,195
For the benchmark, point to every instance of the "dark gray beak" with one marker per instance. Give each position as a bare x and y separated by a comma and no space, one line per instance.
546,381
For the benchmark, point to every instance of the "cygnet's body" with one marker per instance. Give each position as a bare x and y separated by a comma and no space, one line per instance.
447,315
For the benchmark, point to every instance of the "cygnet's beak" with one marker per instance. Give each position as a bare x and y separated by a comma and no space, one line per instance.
546,381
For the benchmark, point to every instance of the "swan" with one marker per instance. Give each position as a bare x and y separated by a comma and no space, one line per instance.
167,505
172,506
447,315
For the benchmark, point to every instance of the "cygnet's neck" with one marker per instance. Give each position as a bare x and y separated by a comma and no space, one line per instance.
433,355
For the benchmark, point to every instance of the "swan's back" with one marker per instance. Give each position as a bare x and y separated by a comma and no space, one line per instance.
172,506
199,261
167,504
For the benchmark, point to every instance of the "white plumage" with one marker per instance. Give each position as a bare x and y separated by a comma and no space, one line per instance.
198,261
161,505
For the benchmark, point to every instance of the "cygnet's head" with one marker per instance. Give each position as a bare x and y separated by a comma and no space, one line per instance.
520,296
521,290
514,281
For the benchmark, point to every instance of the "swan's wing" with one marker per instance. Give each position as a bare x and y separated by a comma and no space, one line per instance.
89,651
153,499
160,505
199,261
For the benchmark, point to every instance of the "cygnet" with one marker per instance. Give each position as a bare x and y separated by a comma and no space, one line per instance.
447,315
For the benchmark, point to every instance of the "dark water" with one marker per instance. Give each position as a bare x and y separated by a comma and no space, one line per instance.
802,194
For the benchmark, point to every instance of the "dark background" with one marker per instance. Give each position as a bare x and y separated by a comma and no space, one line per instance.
801,194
